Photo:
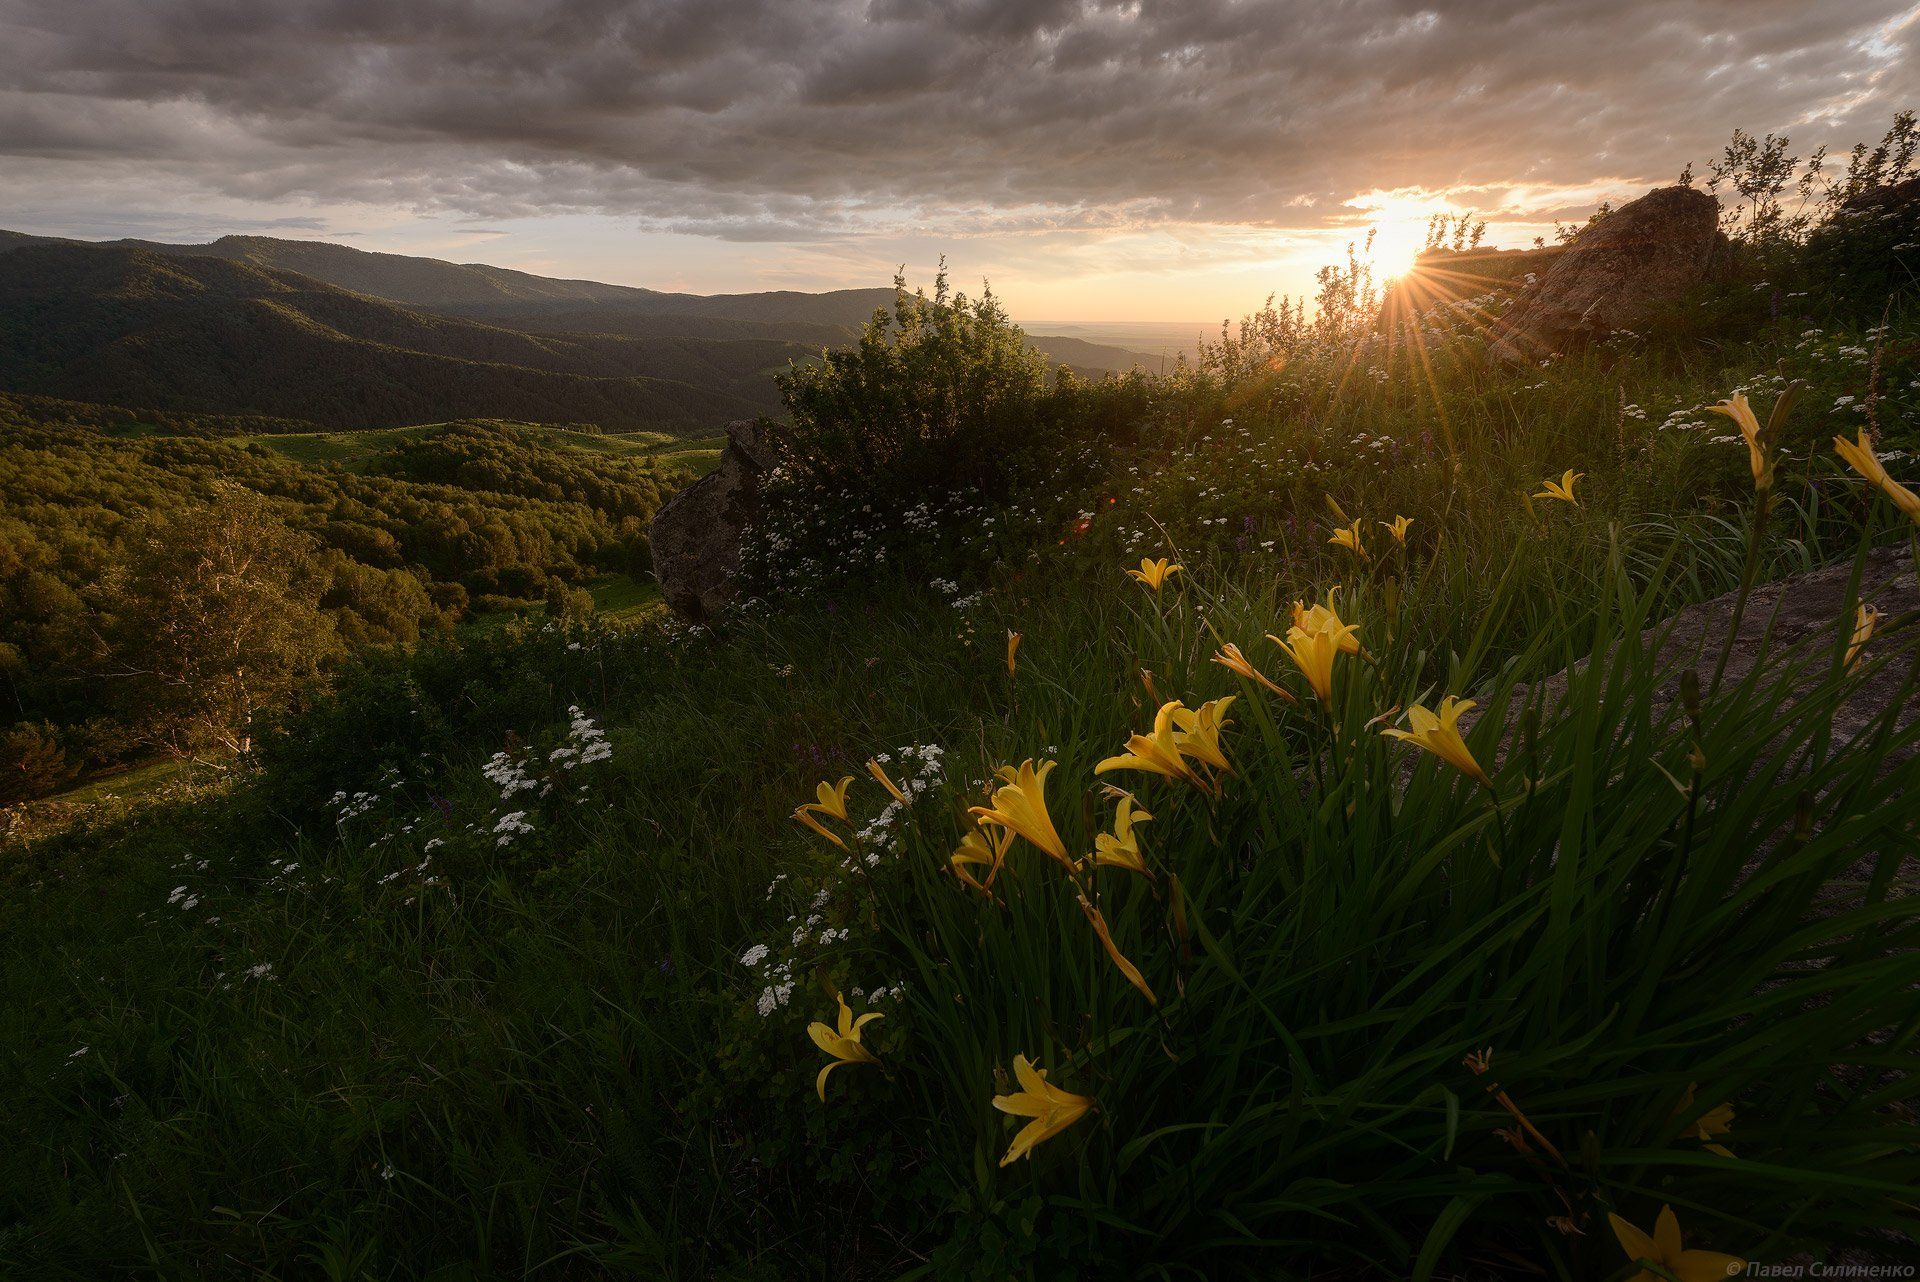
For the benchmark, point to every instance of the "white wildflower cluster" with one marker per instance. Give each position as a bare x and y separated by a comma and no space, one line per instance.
351,805
510,825
586,743
509,773
917,770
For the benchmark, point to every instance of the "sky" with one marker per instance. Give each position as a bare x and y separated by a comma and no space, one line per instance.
1094,159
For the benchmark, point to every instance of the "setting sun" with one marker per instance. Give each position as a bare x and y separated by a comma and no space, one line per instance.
1394,247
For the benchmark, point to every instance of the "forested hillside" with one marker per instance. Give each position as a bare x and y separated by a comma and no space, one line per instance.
435,527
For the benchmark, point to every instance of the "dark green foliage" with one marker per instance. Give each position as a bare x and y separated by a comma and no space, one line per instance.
892,448
33,763
400,550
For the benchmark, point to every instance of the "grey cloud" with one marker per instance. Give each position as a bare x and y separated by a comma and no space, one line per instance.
811,119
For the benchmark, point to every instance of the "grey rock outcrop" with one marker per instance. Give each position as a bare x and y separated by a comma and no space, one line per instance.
1646,253
696,536
1786,620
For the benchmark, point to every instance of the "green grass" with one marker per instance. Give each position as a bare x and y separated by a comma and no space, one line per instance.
624,597
355,449
544,1055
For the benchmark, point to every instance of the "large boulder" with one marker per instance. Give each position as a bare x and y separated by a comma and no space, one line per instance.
696,536
1617,272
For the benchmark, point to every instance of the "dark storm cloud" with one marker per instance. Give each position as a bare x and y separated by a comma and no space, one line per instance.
802,119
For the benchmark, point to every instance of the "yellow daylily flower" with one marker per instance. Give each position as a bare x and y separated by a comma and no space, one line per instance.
843,1043
1319,618
1020,804
1013,649
1198,733
1398,528
831,799
1440,735
1120,848
1349,537
1157,753
893,789
1127,968
1561,489
1663,1249
804,817
1230,658
1313,652
981,848
1153,573
1052,1109
832,802
1759,457
1861,458
1717,1120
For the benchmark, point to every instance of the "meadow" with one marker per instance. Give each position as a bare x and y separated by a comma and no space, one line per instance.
1088,873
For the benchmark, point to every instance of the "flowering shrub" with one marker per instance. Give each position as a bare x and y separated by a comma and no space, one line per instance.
939,441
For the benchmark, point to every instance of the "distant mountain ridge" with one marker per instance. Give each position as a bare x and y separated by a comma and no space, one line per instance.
437,285
350,338
130,327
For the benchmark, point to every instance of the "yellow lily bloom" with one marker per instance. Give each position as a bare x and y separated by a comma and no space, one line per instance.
1440,735
1052,1109
1230,658
1861,458
980,848
1157,753
1319,618
1662,1248
1013,648
893,789
1120,848
832,802
1715,1121
1865,620
1561,489
1198,735
1153,573
804,817
832,799
1759,459
1398,528
843,1043
1020,804
1349,537
1313,652
1127,968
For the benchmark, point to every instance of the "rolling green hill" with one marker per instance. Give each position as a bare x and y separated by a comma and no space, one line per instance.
129,327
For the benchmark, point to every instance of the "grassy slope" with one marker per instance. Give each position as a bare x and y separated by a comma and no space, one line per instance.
541,1056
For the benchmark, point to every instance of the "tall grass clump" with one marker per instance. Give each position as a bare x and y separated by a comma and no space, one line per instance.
1309,990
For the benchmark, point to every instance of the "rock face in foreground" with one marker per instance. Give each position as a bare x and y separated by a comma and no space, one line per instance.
696,536
1786,620
1614,273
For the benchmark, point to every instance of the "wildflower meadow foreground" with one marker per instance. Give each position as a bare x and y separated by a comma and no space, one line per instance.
1265,972
1360,803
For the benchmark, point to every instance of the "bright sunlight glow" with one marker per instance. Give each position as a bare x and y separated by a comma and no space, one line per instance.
1395,244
